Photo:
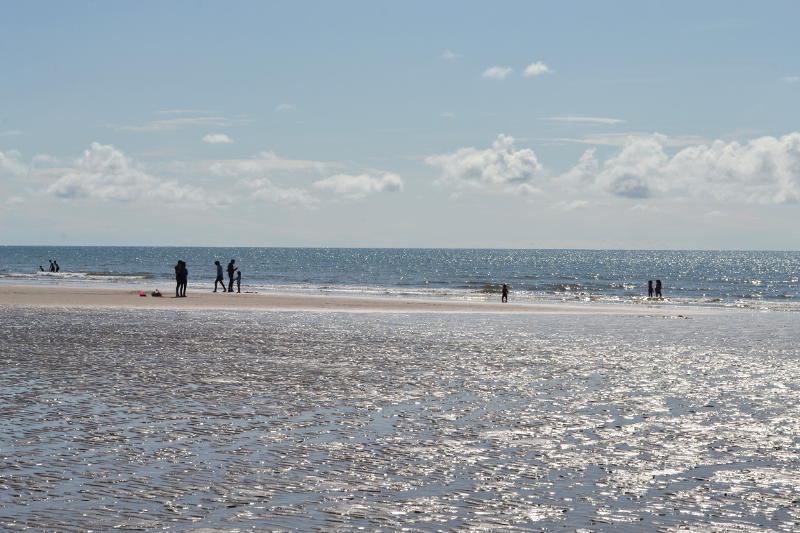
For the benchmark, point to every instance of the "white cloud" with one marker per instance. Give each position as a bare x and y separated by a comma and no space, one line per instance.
594,120
499,167
186,112
260,165
535,69
447,114
449,54
10,163
358,187
170,124
285,108
14,200
217,138
763,171
623,139
497,73
791,79
10,133
572,205
106,173
264,189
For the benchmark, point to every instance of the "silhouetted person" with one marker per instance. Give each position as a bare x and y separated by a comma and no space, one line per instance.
650,288
41,269
181,278
52,266
184,279
220,278
504,297
231,270
56,265
239,281
658,288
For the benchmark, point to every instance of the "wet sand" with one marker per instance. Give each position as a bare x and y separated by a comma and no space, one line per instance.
121,419
90,297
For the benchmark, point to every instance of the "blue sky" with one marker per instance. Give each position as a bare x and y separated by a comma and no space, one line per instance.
510,124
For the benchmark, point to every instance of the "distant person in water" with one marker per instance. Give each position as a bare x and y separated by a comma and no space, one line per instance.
658,288
56,265
220,277
238,281
52,266
650,288
504,297
231,270
41,269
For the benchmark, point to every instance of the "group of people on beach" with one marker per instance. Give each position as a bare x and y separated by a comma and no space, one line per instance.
53,266
231,270
234,275
656,291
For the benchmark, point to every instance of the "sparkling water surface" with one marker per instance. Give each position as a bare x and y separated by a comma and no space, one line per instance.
750,279
234,421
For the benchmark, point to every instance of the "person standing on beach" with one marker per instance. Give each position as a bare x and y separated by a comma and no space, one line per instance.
181,278
231,270
238,281
504,297
184,279
658,288
220,277
649,288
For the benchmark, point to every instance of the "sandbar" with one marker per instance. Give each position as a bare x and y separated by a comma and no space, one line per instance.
91,297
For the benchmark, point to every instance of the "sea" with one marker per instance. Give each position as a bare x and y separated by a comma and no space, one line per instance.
746,279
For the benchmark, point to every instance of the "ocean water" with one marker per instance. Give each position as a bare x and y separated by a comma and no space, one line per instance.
122,420
750,279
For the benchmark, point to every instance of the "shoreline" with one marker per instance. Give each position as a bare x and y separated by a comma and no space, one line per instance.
13,295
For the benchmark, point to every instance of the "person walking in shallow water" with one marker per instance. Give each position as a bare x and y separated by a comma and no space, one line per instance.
231,270
504,294
220,278
649,288
658,288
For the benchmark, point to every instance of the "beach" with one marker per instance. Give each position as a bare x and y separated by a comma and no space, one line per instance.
90,297
129,413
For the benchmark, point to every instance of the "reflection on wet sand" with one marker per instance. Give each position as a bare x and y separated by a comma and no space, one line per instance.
146,419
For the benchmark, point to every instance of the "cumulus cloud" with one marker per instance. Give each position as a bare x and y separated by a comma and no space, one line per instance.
106,173
593,120
264,189
217,138
536,68
497,73
10,163
359,186
260,165
285,108
500,167
763,171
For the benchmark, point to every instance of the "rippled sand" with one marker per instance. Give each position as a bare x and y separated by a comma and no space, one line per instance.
142,419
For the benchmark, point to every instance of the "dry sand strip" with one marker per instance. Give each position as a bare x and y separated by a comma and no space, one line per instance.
61,296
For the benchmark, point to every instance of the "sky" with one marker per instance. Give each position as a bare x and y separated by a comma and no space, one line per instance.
628,124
